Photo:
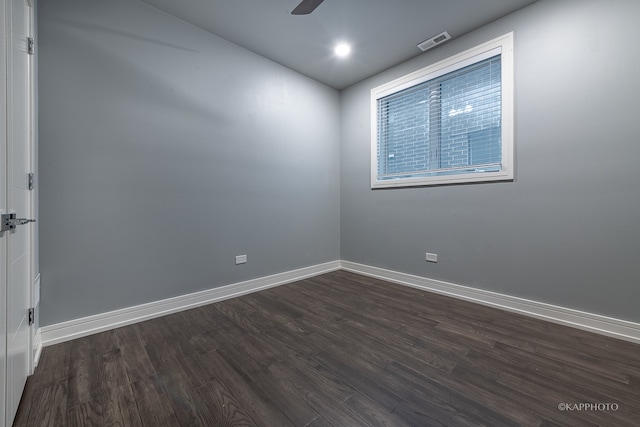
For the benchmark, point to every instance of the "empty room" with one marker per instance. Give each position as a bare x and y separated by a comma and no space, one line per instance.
320,213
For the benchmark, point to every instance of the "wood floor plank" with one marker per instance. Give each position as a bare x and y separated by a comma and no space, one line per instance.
316,397
481,396
240,313
54,365
334,350
119,407
49,406
396,344
202,319
153,405
22,415
280,311
318,377
279,390
196,365
373,414
321,422
569,375
134,356
557,392
85,372
223,408
85,414
256,403
493,395
263,348
150,332
359,376
175,383
291,342
439,399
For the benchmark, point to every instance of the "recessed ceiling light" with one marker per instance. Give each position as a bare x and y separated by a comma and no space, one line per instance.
342,50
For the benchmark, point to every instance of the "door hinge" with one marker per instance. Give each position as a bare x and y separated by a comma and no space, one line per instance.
31,316
30,181
31,46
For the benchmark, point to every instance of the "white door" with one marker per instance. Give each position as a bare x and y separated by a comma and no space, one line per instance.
18,241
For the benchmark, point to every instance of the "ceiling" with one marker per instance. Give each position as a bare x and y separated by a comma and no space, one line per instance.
382,33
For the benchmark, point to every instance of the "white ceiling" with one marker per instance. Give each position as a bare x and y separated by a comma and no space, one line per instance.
383,33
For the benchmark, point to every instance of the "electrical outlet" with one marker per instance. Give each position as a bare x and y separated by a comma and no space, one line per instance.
241,259
431,257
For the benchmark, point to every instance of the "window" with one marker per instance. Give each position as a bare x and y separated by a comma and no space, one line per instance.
451,122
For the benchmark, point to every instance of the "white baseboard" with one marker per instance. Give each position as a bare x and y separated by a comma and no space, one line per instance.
37,348
77,328
603,325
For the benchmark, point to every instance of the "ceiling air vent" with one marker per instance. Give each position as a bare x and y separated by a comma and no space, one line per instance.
434,41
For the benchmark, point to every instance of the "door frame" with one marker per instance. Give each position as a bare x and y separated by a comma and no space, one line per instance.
3,206
31,150
5,54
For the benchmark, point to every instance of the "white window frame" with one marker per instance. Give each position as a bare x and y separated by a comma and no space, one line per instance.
502,45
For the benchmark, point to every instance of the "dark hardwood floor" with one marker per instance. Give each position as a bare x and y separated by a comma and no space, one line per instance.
337,350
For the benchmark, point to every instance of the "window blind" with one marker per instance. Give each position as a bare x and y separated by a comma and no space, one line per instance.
448,125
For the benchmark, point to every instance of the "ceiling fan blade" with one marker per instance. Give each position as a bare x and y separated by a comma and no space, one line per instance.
306,7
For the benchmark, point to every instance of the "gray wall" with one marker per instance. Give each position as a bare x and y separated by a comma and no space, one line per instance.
165,152
567,230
